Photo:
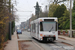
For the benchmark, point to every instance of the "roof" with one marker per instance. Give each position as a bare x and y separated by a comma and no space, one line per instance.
47,18
37,20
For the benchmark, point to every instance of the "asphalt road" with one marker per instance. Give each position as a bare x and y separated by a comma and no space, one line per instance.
56,45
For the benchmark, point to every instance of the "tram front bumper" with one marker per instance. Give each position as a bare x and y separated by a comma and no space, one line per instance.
49,38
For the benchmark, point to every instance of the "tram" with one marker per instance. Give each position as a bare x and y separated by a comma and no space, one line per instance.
45,29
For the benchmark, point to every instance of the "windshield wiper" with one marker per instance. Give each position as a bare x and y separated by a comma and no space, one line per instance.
51,29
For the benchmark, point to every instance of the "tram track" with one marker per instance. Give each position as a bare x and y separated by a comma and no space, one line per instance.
49,45
54,46
57,45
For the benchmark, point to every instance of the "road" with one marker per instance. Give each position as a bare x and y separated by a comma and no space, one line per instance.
56,45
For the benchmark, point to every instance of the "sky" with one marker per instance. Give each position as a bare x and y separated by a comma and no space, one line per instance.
26,8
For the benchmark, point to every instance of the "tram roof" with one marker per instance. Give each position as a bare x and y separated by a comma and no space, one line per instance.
37,20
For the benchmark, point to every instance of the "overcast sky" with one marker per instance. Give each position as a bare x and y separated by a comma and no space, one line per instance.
28,6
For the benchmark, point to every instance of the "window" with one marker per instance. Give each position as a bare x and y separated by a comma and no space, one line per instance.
34,28
48,26
41,26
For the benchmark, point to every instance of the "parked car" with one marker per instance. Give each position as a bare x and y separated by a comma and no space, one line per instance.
19,31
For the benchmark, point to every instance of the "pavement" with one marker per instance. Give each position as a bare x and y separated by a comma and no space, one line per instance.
67,40
13,43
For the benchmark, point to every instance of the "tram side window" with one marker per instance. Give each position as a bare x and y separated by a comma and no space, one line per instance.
41,26
56,26
37,28
33,28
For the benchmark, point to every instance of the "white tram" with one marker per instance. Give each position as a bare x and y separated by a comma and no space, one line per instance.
45,29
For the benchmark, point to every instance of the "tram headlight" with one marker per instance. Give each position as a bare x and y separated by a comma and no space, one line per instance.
41,20
54,35
41,34
56,20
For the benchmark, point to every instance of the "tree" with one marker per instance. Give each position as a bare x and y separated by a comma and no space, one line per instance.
57,1
59,11
74,6
4,22
64,21
52,9
33,17
43,14
73,20
73,16
62,14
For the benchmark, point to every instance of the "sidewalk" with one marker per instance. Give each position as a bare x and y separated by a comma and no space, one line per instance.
67,40
13,43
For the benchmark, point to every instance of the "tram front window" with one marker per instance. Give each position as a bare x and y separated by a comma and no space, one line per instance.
48,26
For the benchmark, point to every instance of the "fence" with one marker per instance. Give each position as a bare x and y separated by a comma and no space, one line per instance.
66,33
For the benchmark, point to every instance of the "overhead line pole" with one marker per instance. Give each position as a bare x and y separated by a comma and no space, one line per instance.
70,18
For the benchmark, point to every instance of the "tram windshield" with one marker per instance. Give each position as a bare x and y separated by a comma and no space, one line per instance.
48,26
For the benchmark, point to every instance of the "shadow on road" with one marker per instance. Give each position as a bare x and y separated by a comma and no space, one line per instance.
45,42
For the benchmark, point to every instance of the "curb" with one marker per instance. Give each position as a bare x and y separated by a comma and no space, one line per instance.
17,40
62,38
67,43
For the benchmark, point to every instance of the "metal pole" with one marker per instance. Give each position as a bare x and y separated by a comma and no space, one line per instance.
9,30
70,18
9,20
13,20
